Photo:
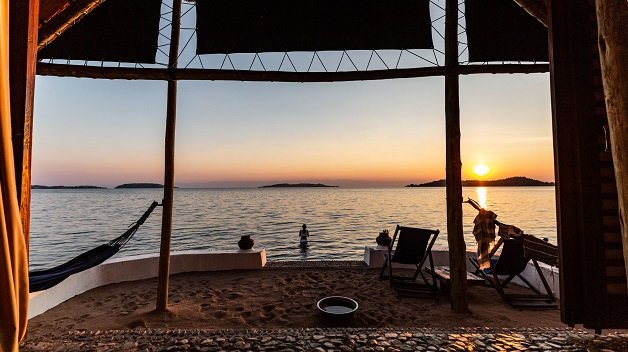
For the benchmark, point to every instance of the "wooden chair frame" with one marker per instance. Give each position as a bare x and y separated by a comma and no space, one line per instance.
538,300
406,285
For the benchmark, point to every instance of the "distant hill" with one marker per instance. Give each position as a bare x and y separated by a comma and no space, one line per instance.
66,187
140,185
517,181
278,185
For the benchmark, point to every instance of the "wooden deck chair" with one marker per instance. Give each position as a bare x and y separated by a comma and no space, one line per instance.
413,247
512,261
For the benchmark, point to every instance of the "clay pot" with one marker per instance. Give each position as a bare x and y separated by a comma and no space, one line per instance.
383,239
246,242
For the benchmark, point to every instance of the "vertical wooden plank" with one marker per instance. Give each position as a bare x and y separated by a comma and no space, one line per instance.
566,161
24,16
612,19
565,166
455,236
168,201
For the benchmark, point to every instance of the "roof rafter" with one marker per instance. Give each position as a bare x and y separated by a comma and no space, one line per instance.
64,19
536,8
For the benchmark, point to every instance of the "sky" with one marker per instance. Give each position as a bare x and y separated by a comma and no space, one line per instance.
385,133
239,134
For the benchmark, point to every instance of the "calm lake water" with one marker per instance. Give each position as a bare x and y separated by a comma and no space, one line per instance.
341,221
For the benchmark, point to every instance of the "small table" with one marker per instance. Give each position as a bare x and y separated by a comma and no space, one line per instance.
442,275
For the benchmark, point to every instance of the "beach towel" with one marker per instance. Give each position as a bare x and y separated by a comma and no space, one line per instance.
484,232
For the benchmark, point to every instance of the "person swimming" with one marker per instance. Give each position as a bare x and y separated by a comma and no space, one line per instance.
304,234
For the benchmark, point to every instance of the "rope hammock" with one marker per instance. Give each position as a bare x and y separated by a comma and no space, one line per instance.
44,279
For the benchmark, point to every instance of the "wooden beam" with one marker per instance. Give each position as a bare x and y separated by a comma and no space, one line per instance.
168,201
22,60
455,236
191,74
501,68
612,17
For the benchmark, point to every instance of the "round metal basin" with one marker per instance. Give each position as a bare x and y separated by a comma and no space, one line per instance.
337,307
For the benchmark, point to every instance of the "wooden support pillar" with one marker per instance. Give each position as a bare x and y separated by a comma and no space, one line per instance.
168,201
24,16
612,18
455,236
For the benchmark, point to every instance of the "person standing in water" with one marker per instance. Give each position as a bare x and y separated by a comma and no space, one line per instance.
304,234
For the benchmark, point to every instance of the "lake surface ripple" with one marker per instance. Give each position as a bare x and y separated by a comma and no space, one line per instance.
65,223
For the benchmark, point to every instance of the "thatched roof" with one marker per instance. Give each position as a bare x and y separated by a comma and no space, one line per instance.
127,31
113,30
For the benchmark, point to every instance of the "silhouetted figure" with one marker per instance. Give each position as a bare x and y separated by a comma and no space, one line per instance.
304,234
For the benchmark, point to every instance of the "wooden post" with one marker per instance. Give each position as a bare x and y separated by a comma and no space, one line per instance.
22,61
455,237
612,17
171,117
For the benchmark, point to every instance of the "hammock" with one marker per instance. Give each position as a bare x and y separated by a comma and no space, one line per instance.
44,279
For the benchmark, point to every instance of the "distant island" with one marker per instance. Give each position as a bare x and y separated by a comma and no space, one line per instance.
296,185
518,181
66,187
140,185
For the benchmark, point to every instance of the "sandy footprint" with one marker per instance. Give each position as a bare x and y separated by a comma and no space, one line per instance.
219,314
234,295
268,307
136,324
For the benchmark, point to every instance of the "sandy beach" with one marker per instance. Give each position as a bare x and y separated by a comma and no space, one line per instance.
274,298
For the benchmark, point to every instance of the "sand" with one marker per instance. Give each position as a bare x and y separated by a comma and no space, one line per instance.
275,298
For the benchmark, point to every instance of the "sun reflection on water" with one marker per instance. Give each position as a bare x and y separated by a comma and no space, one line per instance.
481,192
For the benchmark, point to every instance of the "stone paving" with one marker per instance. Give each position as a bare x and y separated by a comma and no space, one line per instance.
333,339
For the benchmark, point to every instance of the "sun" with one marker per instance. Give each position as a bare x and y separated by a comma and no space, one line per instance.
480,169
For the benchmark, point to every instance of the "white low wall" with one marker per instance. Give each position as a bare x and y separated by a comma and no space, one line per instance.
374,258
549,272
142,267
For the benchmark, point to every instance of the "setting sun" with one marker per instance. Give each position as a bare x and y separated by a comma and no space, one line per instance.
480,169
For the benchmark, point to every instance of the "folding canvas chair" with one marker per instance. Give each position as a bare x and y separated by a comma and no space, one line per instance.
513,260
413,247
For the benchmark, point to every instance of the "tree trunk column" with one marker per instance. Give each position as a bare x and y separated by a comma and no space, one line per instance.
612,18
455,236
168,201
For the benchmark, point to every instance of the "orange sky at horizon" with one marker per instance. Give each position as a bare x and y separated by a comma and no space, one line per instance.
387,133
